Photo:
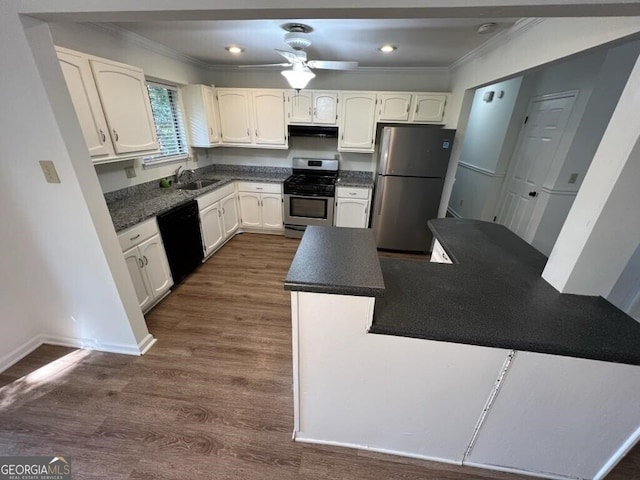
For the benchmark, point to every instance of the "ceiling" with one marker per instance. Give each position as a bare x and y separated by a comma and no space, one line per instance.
421,43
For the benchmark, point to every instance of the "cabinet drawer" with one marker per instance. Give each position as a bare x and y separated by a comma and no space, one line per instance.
212,197
351,192
256,187
137,234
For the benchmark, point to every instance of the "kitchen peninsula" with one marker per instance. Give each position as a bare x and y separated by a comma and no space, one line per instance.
479,363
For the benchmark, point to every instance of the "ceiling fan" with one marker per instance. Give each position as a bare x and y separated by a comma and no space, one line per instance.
300,73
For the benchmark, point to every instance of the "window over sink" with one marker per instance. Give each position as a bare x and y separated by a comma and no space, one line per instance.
169,123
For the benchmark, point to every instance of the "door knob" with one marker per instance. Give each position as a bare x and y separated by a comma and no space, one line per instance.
533,194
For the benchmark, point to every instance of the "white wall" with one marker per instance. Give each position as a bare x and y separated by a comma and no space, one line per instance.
486,143
427,80
61,285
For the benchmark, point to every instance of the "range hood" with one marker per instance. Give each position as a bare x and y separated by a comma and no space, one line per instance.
313,131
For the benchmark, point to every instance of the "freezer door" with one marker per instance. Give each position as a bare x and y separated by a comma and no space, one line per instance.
402,207
415,151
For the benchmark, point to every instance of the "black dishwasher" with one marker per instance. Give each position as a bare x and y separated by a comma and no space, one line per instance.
180,230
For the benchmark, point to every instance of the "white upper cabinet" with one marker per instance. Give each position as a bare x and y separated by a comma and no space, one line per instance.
234,107
82,88
125,101
268,116
357,121
201,114
313,107
252,118
393,107
428,107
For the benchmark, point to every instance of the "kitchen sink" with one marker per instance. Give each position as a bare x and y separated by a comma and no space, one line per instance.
196,185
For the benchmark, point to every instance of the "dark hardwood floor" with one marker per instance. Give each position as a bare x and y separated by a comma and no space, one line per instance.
212,399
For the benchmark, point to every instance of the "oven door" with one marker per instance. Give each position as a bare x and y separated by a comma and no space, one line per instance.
308,210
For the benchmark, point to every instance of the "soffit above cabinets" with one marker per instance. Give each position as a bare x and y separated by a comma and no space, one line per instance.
421,42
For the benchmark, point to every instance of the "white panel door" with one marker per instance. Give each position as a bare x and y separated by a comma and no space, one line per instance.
394,107
300,107
428,108
233,106
250,211
212,228
211,115
230,220
352,212
125,101
84,95
357,121
135,265
269,121
534,154
156,265
271,210
325,108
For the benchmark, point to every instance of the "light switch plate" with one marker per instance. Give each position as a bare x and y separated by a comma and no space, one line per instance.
49,170
573,178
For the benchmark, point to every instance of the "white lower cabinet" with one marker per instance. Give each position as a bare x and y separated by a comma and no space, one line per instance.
352,207
260,205
218,217
147,262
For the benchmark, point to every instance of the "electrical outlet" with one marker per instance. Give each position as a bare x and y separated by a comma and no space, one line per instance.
573,178
461,202
49,170
130,172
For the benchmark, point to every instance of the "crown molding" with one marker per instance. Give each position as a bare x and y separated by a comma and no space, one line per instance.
494,42
147,44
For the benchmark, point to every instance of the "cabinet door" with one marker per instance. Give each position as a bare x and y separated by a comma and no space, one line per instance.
394,106
352,212
300,107
230,221
135,265
211,111
233,106
428,108
271,210
156,265
250,209
325,108
357,121
125,100
211,227
84,95
269,122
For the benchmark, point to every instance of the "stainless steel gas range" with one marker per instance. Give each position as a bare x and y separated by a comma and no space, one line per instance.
309,195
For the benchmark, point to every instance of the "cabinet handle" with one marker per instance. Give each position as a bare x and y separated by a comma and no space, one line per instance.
141,263
258,188
210,131
248,132
134,237
309,111
104,137
417,108
256,133
223,210
219,214
407,108
146,260
352,194
115,134
315,112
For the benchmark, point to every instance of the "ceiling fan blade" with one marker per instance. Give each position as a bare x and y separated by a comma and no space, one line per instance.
297,57
267,65
332,65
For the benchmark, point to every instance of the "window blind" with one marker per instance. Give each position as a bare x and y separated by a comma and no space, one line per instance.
168,119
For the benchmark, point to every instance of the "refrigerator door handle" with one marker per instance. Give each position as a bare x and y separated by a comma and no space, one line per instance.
379,196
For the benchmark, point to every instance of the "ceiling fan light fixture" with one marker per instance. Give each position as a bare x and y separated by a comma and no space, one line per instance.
387,48
236,50
298,78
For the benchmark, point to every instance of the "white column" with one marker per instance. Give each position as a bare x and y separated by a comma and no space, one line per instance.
603,227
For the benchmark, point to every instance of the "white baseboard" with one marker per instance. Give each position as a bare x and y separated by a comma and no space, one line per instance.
453,212
298,438
519,471
146,343
19,353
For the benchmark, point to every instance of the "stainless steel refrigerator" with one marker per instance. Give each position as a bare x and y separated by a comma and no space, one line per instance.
412,164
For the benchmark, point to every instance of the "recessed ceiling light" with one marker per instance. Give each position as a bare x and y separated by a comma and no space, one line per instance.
234,49
387,48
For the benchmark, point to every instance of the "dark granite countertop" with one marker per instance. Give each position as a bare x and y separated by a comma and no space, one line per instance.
355,178
336,260
493,295
133,205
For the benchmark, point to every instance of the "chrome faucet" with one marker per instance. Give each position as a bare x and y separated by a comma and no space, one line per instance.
176,175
